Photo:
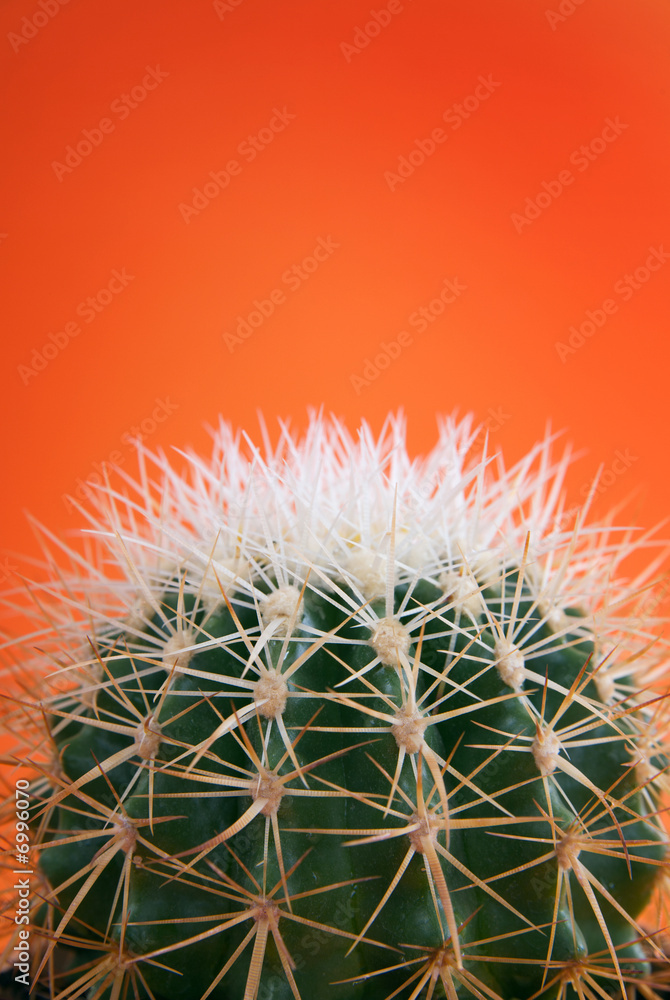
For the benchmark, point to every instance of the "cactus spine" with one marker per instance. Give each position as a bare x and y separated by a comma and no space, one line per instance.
327,722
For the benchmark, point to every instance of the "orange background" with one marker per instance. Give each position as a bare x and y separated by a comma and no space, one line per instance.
559,70
556,78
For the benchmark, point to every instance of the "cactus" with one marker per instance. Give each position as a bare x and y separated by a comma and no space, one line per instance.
320,721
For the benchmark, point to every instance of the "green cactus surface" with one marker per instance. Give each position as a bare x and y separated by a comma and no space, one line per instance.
319,721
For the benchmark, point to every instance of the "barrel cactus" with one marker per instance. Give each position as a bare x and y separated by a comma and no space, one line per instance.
316,720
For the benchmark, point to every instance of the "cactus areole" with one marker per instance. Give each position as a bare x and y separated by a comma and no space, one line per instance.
316,720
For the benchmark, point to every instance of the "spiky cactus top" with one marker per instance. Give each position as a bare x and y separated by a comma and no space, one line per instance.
319,721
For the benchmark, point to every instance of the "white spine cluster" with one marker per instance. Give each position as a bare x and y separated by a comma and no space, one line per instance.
348,514
421,581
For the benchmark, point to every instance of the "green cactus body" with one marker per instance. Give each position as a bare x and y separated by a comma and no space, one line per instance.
323,741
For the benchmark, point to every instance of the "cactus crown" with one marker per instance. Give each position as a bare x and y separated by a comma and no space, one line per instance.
323,721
